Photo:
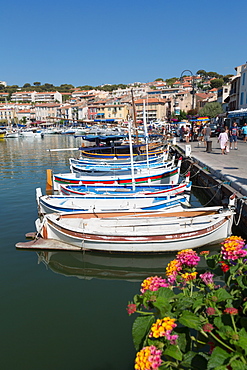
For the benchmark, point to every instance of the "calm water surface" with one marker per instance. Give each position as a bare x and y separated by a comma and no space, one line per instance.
59,311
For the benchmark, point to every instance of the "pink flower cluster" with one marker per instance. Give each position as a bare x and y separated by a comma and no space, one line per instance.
207,278
232,248
131,308
231,311
188,257
172,338
208,327
148,358
153,283
210,311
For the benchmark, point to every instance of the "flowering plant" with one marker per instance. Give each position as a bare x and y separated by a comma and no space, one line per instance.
194,318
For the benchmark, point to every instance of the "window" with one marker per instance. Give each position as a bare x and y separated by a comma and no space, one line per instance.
242,98
243,78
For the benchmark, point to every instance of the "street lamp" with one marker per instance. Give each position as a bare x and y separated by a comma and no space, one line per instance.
193,85
193,98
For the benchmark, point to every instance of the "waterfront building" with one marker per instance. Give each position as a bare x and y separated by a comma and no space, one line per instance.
48,96
222,94
156,109
112,110
46,112
243,87
23,96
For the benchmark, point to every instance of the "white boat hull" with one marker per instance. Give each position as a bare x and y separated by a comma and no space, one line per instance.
137,234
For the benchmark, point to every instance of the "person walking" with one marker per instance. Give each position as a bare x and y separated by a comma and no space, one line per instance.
223,140
206,134
234,136
181,133
187,133
244,131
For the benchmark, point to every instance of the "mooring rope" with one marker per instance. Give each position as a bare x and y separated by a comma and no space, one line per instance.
206,187
219,186
240,213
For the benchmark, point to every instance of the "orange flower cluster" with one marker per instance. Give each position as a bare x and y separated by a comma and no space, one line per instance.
148,358
162,326
189,276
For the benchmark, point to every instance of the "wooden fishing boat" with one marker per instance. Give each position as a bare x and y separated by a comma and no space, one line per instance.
139,233
108,203
157,175
93,154
128,190
118,169
137,160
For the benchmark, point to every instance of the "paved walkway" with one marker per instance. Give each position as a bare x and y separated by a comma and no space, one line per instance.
231,167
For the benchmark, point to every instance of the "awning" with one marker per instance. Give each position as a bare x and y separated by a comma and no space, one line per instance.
237,113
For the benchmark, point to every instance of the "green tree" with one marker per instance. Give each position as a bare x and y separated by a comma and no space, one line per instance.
65,88
36,83
26,85
227,78
202,73
85,87
218,82
183,115
24,120
47,87
159,79
170,81
192,112
211,110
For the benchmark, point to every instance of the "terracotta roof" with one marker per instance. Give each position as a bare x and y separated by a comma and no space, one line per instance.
46,93
150,100
202,95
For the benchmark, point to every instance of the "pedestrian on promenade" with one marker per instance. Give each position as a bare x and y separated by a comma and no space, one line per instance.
223,140
234,136
187,133
244,131
206,134
181,133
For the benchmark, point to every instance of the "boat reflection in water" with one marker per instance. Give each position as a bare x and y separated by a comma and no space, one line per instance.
89,265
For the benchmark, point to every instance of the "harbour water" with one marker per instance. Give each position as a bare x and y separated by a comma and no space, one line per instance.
59,311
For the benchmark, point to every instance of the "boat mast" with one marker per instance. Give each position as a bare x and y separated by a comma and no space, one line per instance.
134,117
145,131
131,158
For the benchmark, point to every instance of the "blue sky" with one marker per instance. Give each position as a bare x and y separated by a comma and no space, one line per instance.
82,42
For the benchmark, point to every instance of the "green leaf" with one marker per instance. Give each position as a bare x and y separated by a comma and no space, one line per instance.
211,262
194,360
243,322
166,293
226,332
190,320
184,302
242,342
140,329
233,269
238,365
182,342
188,357
240,281
163,306
197,304
222,294
218,357
174,352
218,322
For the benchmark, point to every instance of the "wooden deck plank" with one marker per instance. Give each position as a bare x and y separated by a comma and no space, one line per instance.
47,244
